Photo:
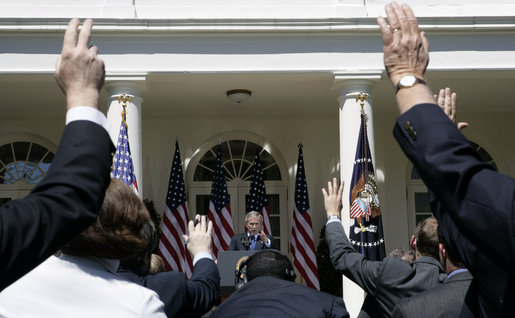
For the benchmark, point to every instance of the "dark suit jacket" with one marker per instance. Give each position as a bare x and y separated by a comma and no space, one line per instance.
272,297
445,300
386,282
237,245
183,298
61,206
473,203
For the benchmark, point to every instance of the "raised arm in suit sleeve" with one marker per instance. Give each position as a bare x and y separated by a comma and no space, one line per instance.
480,200
350,262
61,206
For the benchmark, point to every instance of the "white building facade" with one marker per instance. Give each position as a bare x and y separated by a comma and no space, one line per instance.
303,61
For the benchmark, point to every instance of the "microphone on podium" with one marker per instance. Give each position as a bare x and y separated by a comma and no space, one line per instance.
246,241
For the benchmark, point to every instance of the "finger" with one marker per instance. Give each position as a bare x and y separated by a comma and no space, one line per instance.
454,104
411,20
329,188
93,50
70,36
386,33
441,100
392,17
203,223
209,228
340,190
191,227
400,20
462,125
335,184
85,33
324,193
425,42
435,97
448,108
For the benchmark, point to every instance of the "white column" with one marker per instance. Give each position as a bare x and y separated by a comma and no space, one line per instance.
349,85
132,89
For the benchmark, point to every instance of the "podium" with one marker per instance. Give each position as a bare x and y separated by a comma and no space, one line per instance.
228,263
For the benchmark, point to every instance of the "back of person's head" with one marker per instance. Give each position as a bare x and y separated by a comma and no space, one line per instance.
270,263
451,255
427,237
405,255
140,263
117,233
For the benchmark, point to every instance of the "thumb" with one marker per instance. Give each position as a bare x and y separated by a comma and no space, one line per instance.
462,125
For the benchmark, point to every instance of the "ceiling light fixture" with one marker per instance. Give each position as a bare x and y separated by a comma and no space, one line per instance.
239,95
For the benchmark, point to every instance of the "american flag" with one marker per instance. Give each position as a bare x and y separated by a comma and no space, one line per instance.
219,208
257,194
301,240
123,169
366,233
172,247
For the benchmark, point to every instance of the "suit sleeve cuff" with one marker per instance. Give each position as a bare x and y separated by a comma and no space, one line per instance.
89,114
200,256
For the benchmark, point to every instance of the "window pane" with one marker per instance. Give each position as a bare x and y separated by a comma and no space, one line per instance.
6,155
422,202
275,224
202,204
273,203
203,174
250,152
272,173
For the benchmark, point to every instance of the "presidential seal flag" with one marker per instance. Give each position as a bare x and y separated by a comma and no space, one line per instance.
123,169
172,247
257,194
366,232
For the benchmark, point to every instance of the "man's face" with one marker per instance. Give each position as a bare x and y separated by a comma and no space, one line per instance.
253,226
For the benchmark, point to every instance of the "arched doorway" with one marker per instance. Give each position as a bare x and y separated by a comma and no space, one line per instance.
238,152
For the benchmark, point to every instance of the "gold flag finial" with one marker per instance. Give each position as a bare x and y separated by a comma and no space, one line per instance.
124,99
361,97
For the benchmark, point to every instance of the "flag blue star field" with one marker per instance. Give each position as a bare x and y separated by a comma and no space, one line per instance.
123,169
301,240
219,208
172,247
366,232
257,194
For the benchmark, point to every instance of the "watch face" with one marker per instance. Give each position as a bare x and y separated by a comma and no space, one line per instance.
408,81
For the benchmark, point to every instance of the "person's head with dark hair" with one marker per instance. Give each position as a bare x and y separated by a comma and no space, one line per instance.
450,259
425,240
269,263
140,262
119,230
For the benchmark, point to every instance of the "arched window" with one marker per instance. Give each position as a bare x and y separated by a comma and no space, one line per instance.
23,164
418,197
238,157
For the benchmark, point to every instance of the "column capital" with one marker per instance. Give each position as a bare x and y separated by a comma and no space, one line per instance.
352,82
131,84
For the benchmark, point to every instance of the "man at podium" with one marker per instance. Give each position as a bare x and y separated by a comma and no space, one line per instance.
254,238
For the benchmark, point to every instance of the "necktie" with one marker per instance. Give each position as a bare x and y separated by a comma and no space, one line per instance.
253,244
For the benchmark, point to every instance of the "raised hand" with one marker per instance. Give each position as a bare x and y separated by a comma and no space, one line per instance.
199,236
79,71
446,99
406,49
333,198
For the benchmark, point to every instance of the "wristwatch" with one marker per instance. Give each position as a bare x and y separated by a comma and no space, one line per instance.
409,81
332,217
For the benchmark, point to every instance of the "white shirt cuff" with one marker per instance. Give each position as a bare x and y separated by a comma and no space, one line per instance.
334,220
269,243
87,113
200,256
